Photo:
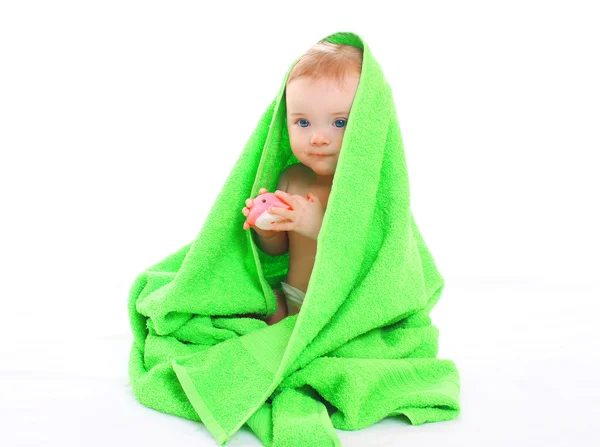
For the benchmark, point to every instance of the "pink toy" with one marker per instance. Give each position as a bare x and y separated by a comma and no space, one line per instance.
259,215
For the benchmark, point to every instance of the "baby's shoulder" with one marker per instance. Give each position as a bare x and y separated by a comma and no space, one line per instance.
296,170
294,177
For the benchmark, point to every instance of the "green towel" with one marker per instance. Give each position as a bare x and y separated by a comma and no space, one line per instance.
362,348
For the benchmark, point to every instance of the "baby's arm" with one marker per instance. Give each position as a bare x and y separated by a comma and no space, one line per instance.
275,244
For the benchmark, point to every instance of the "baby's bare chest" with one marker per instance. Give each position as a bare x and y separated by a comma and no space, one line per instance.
302,187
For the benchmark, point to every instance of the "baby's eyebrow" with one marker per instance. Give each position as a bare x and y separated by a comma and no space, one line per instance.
334,113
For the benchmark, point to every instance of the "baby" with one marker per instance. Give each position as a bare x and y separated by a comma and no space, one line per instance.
319,94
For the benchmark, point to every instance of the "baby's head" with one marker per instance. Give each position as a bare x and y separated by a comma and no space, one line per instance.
319,94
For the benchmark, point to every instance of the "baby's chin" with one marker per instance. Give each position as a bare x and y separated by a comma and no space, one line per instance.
321,168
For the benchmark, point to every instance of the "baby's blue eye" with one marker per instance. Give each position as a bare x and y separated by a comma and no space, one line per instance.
299,121
340,121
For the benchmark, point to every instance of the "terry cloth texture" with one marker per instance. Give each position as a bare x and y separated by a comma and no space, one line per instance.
362,347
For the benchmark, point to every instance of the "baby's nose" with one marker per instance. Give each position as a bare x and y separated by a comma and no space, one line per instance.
318,139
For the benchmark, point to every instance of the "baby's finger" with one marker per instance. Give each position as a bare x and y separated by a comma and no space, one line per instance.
262,190
245,211
282,226
281,212
249,203
284,195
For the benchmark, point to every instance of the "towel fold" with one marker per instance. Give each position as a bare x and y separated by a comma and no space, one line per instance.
362,348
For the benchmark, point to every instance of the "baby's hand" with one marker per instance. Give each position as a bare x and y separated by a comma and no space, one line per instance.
246,212
305,217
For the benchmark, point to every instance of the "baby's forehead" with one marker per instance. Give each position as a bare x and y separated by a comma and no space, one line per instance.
333,107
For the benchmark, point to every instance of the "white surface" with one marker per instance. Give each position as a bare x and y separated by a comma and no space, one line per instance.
121,120
527,357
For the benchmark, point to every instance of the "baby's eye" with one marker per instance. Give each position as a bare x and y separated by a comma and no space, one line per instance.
301,121
343,123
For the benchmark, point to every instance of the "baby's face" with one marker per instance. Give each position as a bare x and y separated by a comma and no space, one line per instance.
317,114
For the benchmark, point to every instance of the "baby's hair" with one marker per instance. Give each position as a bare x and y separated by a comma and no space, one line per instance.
328,60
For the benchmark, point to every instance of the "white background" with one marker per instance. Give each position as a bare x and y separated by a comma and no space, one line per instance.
120,121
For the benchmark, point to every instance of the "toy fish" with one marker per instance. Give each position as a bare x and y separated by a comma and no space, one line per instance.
259,215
